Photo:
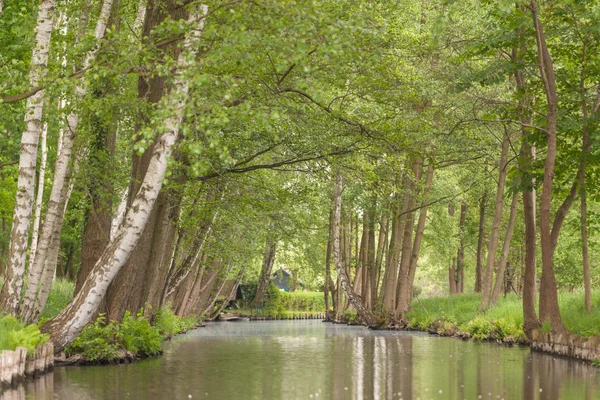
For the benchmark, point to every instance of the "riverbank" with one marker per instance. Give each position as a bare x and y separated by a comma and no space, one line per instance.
457,316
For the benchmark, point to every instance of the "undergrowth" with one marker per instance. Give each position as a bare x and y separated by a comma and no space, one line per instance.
14,334
458,314
101,341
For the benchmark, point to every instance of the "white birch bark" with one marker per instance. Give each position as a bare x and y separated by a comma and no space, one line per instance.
37,212
138,25
119,214
55,208
15,271
66,326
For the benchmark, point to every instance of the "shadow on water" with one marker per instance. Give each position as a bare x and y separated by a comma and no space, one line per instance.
310,359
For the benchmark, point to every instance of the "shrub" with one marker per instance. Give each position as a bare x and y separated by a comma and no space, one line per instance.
166,322
273,306
137,336
351,317
97,341
596,362
480,328
100,341
14,334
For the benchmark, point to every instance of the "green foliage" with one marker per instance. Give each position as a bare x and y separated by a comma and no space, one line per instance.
303,301
169,324
137,336
273,306
97,342
480,328
351,317
166,322
596,362
100,341
61,294
14,334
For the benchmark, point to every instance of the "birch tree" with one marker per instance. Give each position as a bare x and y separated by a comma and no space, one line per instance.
56,208
65,327
19,235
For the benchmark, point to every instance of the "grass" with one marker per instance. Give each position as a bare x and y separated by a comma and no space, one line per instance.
458,315
61,294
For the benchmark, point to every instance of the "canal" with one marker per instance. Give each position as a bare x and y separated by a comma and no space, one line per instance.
314,360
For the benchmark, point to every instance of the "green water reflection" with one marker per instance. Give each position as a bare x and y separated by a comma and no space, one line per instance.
310,359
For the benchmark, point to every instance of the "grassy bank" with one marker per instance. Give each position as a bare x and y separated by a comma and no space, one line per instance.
458,315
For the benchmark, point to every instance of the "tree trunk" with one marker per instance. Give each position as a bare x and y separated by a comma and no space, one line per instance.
327,283
67,325
370,271
365,315
55,210
549,310
418,236
145,271
480,241
97,230
390,277
51,261
403,287
13,280
381,246
585,150
526,159
488,274
265,273
500,275
294,281
37,212
452,277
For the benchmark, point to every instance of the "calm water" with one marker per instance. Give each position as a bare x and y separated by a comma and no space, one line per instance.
313,360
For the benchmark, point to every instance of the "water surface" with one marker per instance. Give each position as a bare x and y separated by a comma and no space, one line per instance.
314,360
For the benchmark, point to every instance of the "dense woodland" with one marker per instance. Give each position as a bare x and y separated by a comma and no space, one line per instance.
153,150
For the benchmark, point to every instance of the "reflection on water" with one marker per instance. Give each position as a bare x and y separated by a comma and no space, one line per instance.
312,360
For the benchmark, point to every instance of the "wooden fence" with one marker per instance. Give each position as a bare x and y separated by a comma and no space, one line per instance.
16,365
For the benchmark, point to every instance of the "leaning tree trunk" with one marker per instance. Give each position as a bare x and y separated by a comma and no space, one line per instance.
67,325
365,315
265,273
13,280
500,275
488,275
141,280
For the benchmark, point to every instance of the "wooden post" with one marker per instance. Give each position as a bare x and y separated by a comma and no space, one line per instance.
6,373
22,357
